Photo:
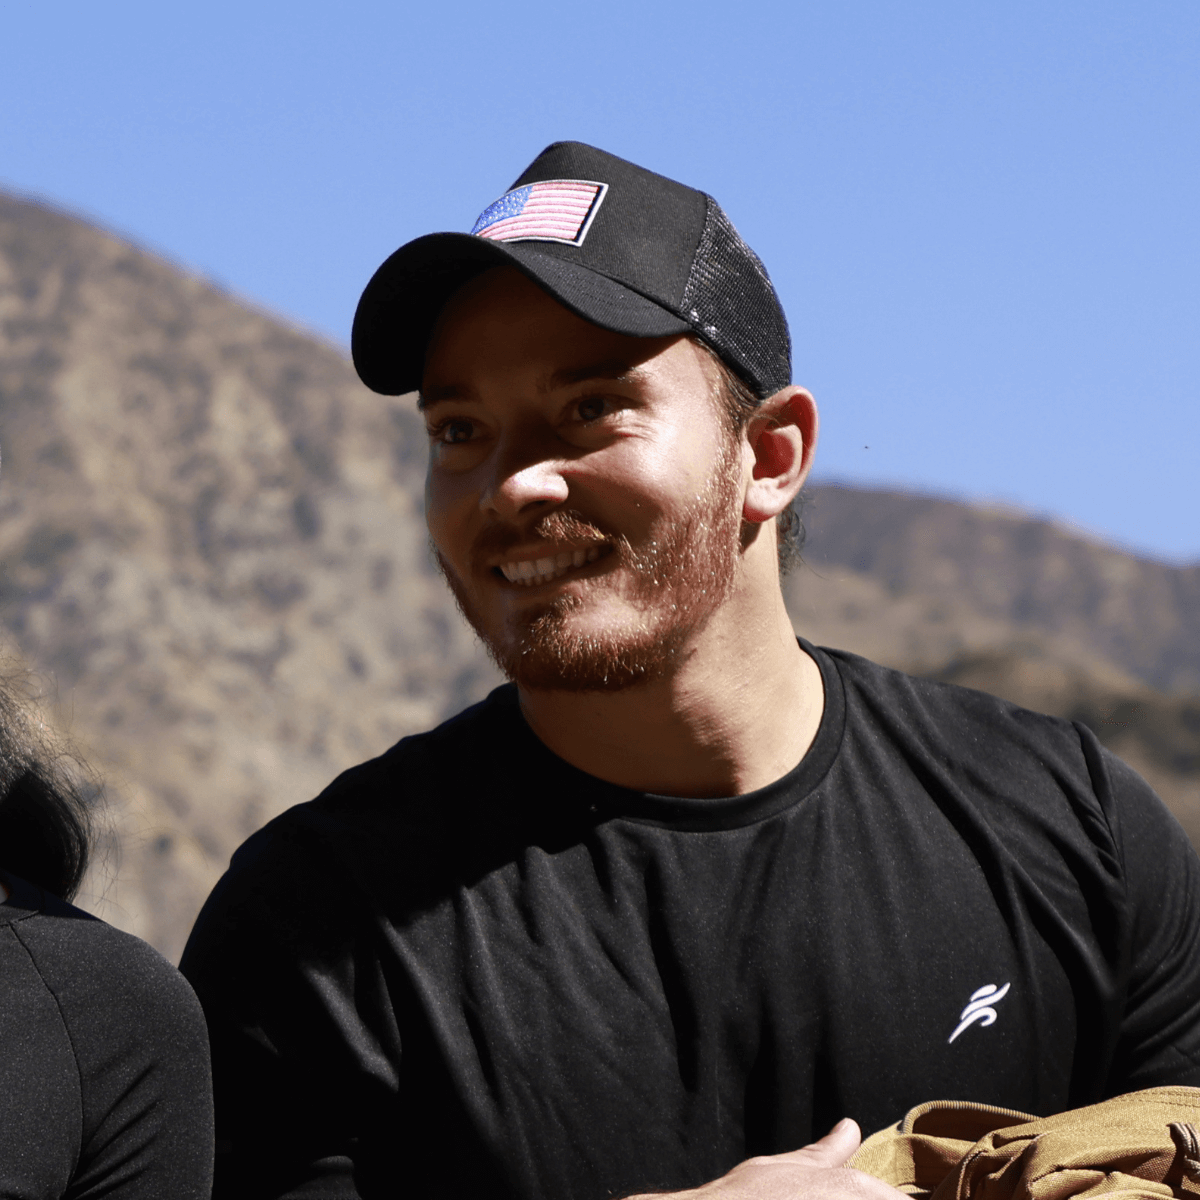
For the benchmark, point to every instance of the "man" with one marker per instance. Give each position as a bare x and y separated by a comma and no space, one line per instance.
688,891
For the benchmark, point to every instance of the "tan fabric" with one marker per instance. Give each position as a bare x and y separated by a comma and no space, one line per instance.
1145,1144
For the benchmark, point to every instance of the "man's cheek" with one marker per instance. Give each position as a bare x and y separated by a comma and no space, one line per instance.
440,523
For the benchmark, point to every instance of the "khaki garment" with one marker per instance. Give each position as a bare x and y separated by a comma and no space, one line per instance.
1145,1144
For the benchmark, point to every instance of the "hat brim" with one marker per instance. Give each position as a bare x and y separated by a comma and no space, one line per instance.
401,304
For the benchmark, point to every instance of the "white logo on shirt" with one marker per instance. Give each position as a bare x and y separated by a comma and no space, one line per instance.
980,1007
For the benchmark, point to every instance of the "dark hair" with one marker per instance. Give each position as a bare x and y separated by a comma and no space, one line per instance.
739,403
46,798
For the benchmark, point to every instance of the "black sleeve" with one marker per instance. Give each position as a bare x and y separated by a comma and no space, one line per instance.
277,988
39,1082
137,1038
1160,1031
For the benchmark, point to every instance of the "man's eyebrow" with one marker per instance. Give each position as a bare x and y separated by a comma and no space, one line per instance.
426,398
617,369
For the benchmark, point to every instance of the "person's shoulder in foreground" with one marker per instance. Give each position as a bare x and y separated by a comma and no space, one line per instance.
104,1078
105,1087
688,890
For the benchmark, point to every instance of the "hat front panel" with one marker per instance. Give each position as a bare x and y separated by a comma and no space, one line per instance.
645,231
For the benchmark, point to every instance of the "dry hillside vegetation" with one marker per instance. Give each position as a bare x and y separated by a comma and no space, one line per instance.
212,548
213,557
1018,607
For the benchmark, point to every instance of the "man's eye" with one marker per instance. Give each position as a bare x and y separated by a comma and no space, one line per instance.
452,432
592,408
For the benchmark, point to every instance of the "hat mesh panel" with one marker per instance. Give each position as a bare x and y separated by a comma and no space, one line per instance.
732,305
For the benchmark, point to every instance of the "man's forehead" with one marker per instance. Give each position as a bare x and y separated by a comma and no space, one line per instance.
624,369
501,323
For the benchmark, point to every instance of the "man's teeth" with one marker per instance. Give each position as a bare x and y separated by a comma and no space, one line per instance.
542,570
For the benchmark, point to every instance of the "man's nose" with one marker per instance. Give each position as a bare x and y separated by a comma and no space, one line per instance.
524,480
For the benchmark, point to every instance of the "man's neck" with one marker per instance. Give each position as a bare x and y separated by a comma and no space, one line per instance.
738,713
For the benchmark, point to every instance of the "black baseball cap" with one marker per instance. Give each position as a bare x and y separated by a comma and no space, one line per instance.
622,247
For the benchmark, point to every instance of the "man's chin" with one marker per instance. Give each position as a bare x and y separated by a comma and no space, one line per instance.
556,646
552,654
589,669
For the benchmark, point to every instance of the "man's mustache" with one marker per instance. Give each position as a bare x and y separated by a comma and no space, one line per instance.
563,525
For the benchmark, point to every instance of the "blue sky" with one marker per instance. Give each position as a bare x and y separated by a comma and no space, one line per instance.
983,219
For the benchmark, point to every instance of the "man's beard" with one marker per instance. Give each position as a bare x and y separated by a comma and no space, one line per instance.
677,581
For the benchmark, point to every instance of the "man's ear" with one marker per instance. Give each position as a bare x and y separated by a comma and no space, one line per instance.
782,435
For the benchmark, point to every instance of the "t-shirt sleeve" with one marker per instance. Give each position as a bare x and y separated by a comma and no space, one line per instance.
276,983
1160,1031
140,1050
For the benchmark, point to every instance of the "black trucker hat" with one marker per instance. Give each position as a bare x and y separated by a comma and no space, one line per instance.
624,248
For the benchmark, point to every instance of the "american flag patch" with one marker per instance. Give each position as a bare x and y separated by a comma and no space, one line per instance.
554,210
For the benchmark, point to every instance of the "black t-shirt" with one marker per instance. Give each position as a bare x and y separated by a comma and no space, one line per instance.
468,968
104,1079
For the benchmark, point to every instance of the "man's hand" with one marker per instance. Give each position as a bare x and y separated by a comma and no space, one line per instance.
814,1172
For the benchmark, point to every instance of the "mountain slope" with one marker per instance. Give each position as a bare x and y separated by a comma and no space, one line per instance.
1017,607
212,553
212,544
1142,615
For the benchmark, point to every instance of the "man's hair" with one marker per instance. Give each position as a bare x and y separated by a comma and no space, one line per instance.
46,798
738,404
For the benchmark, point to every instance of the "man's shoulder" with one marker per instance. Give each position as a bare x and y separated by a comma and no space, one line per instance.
411,780
464,746
1035,780
944,713
382,820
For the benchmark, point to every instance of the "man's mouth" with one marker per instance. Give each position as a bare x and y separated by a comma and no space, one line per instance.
532,571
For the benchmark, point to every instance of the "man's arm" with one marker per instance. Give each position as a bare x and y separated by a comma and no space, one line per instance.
1160,1029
